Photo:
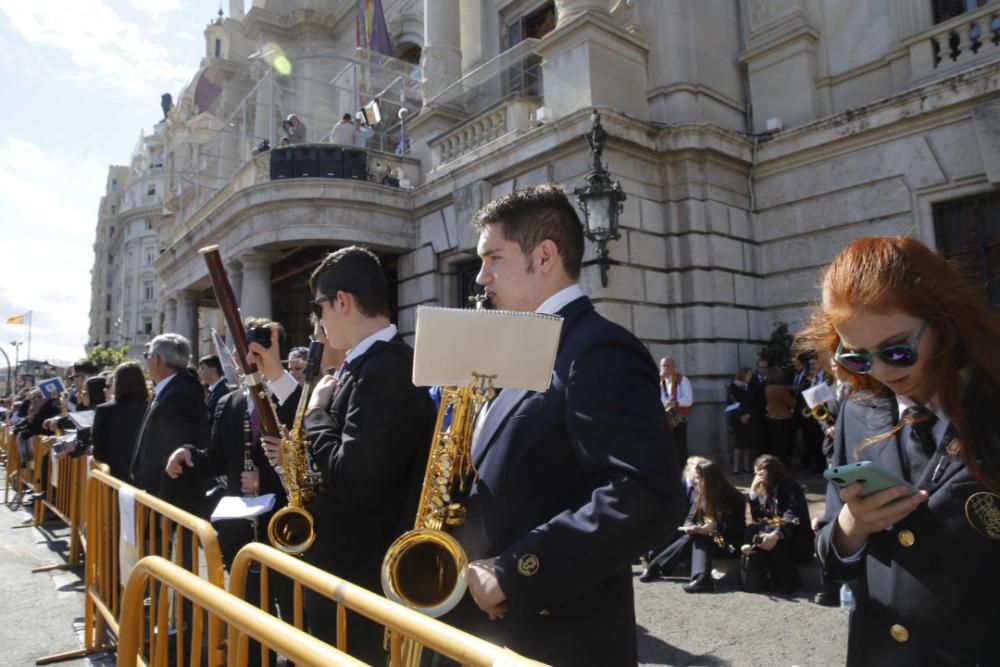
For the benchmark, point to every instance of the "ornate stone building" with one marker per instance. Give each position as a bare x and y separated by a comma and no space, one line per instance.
753,138
124,286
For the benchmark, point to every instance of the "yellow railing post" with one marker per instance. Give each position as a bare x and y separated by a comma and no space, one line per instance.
402,621
243,620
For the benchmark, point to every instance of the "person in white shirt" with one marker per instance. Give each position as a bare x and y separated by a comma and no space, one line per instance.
677,398
343,132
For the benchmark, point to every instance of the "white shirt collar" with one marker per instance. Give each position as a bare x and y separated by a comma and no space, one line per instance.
385,334
215,384
158,389
560,299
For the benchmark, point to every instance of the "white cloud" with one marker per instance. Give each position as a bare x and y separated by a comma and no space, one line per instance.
49,207
155,8
108,51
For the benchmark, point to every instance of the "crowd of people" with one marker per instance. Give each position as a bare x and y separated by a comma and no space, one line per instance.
574,483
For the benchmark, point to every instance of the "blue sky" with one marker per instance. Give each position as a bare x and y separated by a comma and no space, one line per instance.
80,79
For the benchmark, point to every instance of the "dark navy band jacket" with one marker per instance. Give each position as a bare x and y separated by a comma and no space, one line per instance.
927,589
573,484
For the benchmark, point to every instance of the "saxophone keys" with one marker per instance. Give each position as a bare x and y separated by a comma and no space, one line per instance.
456,514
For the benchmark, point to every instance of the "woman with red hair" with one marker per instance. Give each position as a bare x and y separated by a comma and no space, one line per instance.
921,349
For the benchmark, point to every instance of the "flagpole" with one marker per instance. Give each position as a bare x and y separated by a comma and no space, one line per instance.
29,334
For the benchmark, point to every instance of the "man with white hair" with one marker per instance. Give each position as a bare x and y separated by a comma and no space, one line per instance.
175,416
294,129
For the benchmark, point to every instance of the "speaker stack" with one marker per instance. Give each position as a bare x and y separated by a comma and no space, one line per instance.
324,161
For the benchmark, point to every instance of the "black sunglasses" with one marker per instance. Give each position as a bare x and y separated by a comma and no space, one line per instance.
317,306
897,355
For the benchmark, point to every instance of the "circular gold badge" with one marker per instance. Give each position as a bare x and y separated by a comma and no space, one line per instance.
982,511
527,565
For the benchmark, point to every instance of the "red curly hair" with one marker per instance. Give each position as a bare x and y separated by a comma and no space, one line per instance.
886,274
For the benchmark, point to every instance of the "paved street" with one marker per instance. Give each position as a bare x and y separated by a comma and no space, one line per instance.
42,613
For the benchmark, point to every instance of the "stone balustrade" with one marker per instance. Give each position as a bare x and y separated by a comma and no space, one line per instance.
505,120
963,40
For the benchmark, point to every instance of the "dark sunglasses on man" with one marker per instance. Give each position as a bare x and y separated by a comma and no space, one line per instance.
897,355
317,305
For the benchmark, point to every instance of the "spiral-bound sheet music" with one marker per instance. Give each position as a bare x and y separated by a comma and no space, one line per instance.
453,343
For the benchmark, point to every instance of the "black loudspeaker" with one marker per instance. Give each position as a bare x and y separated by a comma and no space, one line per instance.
355,164
330,163
304,161
281,163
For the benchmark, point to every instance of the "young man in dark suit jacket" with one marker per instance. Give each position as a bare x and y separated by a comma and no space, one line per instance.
175,416
210,374
573,483
370,430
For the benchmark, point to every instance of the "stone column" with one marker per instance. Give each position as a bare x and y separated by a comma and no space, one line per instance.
235,272
590,61
171,316
480,33
442,53
186,323
567,10
255,300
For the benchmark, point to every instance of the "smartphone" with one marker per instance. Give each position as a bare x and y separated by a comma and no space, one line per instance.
872,475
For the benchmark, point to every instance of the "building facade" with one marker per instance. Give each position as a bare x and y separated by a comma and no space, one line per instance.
753,139
124,308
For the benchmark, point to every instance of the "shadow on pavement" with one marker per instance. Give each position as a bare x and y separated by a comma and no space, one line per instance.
655,651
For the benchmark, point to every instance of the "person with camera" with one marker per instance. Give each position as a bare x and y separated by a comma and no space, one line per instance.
294,129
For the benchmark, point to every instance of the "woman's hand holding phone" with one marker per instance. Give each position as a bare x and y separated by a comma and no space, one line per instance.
860,518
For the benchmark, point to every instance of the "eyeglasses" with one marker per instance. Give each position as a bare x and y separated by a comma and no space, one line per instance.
897,355
147,354
317,305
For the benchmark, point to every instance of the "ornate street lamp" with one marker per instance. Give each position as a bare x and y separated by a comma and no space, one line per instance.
601,199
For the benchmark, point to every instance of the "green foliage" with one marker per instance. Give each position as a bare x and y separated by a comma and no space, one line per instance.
108,358
778,348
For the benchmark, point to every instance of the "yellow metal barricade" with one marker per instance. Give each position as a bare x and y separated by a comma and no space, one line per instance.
64,494
154,577
12,466
401,621
159,529
28,474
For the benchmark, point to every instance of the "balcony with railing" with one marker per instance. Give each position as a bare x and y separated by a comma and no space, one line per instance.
498,101
236,141
959,42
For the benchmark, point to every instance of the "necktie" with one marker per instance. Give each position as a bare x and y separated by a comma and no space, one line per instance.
920,445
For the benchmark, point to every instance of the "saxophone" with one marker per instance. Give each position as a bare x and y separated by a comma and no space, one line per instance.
425,568
291,528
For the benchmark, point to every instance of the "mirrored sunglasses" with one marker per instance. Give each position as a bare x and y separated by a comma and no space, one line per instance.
897,355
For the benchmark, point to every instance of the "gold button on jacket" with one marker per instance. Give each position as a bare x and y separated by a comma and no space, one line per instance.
899,633
906,538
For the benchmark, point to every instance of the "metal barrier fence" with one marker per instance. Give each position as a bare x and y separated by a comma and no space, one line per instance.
153,578
402,622
63,493
158,528
12,466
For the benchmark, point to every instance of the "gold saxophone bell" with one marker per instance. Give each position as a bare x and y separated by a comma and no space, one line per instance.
291,530
821,413
426,568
